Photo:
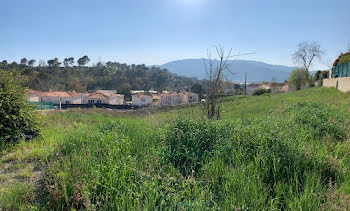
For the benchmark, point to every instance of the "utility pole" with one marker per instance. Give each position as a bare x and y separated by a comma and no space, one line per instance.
245,84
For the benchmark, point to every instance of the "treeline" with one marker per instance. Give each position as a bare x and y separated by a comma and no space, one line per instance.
68,75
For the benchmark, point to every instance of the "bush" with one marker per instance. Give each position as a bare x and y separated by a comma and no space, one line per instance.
299,78
260,91
17,116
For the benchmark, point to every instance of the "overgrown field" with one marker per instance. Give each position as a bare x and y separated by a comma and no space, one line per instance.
285,151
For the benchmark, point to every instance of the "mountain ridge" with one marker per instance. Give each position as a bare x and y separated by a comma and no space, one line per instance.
257,71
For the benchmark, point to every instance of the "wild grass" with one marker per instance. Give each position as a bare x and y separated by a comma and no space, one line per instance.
272,152
279,161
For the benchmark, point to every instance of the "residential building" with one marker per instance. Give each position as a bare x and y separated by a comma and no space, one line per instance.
171,99
141,100
58,97
33,95
104,98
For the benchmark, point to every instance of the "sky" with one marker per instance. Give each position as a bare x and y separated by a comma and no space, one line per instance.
158,31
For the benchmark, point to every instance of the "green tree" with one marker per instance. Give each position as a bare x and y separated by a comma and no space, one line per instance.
53,62
197,88
24,61
17,116
83,61
31,62
298,78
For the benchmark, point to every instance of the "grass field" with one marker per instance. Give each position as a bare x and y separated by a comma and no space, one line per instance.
280,151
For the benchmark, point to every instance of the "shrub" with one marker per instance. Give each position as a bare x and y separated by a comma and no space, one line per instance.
298,78
260,91
17,116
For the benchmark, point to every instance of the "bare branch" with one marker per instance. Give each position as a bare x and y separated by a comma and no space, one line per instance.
306,53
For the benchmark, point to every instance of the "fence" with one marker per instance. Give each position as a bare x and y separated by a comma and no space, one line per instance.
341,70
43,105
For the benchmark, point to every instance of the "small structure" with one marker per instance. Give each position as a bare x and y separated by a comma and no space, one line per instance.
142,100
104,98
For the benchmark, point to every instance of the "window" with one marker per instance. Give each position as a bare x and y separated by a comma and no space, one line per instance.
99,101
91,101
67,102
143,99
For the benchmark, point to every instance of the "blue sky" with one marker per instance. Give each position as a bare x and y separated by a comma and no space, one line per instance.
158,31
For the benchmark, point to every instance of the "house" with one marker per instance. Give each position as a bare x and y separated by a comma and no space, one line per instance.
142,100
104,98
58,97
33,95
169,99
189,97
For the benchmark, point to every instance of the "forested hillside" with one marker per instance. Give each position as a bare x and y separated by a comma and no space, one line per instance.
112,75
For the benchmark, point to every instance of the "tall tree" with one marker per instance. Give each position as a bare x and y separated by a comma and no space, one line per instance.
24,61
31,62
71,61
83,61
66,62
53,62
306,53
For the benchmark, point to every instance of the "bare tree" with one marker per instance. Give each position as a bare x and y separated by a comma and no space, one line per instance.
306,54
215,73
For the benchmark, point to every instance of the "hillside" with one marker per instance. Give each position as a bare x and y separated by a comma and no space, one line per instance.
272,152
256,71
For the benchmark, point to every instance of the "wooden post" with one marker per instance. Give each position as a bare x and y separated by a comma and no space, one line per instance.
60,105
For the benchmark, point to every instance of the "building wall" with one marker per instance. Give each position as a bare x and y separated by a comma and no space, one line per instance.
33,98
171,99
142,101
116,101
343,84
103,100
56,100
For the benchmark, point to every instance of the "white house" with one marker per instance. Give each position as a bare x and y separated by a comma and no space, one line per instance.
142,100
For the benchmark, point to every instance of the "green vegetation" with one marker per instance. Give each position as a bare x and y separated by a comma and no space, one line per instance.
344,59
17,117
112,75
298,78
278,151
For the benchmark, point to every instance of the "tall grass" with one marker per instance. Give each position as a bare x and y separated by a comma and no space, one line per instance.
279,161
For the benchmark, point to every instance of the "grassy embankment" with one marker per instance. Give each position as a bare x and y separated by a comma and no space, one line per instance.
283,151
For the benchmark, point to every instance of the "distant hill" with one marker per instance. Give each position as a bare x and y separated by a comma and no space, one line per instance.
256,71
